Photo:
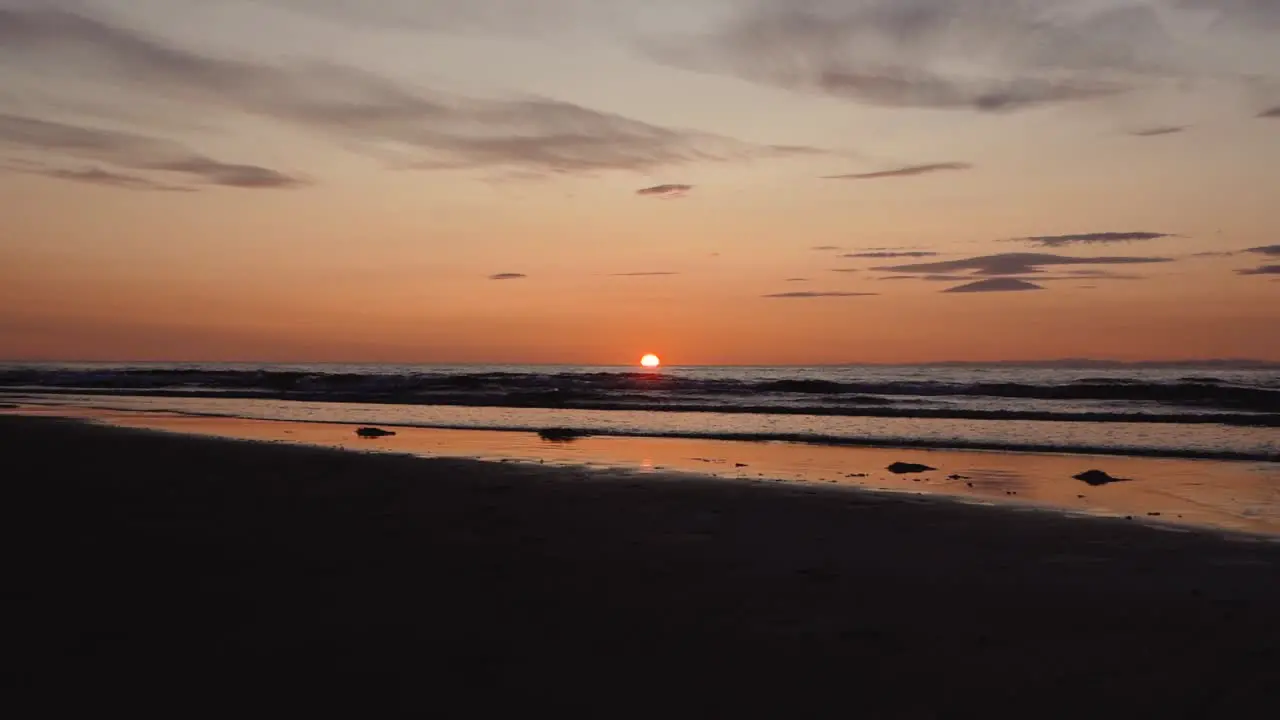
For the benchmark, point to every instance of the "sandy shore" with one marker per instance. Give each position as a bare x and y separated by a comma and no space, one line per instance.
183,573
1223,495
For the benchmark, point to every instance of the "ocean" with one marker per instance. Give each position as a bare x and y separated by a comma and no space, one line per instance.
1226,411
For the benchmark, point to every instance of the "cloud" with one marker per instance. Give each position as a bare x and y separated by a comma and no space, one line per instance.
1013,264
1263,270
665,191
643,274
808,295
797,280
1102,238
508,276
1075,275
845,270
892,254
519,18
981,55
229,175
132,151
995,285
1265,250
97,176
824,248
909,171
1157,131
429,130
928,278
1270,112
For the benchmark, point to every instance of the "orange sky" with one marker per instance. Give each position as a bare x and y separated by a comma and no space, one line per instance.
277,180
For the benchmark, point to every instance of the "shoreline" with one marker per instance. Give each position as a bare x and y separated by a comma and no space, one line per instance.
317,577
1175,494
1243,419
797,438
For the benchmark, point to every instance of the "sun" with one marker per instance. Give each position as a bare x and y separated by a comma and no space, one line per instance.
650,361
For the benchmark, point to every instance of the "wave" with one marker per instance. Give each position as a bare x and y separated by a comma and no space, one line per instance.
567,434
1096,399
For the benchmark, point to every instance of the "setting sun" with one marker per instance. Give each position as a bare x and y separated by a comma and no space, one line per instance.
650,361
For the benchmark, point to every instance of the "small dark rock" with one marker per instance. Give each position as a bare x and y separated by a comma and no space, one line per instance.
373,432
561,434
957,477
902,468
739,464
856,475
1154,514
1097,478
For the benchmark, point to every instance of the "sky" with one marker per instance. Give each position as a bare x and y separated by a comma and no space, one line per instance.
584,181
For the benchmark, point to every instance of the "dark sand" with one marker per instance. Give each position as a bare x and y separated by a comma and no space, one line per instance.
185,574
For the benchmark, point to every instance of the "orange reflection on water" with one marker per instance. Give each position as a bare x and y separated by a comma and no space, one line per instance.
1240,496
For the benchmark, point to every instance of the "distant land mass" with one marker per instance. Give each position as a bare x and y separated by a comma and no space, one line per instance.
1086,363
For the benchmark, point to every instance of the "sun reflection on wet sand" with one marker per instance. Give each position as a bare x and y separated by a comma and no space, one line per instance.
1237,496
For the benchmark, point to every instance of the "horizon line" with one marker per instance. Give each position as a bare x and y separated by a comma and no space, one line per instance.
1061,362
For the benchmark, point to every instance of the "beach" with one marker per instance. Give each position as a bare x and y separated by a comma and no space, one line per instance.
181,572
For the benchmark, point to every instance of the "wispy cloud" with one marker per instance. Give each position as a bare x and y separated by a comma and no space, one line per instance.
846,270
508,276
1157,131
796,280
803,295
96,176
1100,238
927,278
428,129
995,285
979,55
1265,250
881,254
909,171
1069,275
644,274
1263,270
1014,264
1270,112
825,248
671,190
132,151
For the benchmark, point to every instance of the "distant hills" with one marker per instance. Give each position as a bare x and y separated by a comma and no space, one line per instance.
1087,363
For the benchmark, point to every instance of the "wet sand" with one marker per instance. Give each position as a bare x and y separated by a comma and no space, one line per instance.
183,573
1239,496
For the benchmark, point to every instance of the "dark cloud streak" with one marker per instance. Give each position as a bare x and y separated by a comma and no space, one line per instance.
995,285
666,191
909,171
99,176
891,254
1158,131
1100,238
132,151
1013,264
804,295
